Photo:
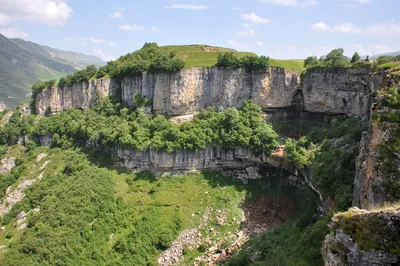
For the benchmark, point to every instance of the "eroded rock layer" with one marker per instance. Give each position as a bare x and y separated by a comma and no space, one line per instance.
343,91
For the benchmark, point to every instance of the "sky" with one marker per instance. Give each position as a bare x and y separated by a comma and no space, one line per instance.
282,29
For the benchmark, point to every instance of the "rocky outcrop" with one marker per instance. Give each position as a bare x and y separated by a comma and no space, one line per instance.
80,95
338,91
363,238
6,164
185,92
3,106
377,177
208,158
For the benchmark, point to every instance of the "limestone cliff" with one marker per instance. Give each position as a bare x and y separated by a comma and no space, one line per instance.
208,158
377,176
192,89
363,238
182,93
339,91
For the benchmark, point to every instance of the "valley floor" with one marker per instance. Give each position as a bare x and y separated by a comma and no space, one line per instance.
69,210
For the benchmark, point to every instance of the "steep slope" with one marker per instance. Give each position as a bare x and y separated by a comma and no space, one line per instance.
24,63
76,60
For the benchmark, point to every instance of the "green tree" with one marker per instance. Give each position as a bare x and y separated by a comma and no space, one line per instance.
384,59
356,58
311,61
336,59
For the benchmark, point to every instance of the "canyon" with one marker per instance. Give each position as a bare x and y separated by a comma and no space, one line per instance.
319,93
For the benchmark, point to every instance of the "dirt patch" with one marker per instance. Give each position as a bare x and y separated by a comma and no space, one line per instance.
260,216
265,213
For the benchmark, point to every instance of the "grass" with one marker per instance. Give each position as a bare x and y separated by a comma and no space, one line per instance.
206,56
390,65
185,197
370,229
195,48
295,65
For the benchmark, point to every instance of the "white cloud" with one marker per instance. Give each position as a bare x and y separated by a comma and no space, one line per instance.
246,25
13,33
246,33
103,56
186,6
155,29
345,28
131,27
355,3
384,29
51,12
292,3
116,15
281,2
235,8
238,45
308,3
320,26
252,17
259,43
91,39
4,20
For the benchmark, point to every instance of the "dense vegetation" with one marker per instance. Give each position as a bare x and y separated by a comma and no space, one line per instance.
228,60
368,230
110,124
387,116
332,164
336,59
387,62
296,242
95,216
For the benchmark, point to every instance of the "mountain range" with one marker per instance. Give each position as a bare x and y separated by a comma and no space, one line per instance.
22,63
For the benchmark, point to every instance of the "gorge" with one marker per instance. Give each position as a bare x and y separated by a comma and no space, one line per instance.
330,97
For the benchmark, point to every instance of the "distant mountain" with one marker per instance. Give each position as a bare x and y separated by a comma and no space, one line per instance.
391,54
23,63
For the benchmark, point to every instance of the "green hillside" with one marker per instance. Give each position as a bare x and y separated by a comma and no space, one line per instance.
23,63
293,64
200,55
206,56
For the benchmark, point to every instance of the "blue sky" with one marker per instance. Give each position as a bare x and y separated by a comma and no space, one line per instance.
284,29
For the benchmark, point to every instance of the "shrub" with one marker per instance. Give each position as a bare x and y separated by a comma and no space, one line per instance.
228,60
356,58
311,61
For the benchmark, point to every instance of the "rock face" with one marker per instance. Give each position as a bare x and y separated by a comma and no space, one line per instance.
340,248
3,106
339,91
193,89
80,96
209,158
377,177
182,93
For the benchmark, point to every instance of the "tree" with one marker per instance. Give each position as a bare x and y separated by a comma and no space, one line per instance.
384,59
336,58
356,58
311,61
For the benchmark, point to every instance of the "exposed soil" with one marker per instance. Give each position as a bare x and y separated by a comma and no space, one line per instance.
259,216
